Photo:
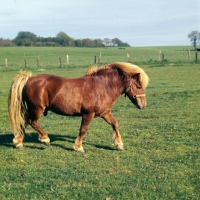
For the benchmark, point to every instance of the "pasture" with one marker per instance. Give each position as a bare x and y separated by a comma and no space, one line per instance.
161,156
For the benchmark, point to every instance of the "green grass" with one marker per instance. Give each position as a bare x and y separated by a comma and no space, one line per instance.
161,156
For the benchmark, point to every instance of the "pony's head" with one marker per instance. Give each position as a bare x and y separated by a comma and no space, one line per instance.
135,92
136,82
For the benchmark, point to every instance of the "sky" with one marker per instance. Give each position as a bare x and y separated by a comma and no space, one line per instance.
137,22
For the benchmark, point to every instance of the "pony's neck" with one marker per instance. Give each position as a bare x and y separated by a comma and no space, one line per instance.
113,82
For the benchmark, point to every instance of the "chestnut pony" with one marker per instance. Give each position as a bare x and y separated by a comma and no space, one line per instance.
90,96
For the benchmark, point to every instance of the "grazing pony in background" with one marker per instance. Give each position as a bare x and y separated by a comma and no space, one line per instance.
90,96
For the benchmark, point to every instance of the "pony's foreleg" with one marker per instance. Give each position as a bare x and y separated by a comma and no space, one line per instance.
116,135
86,119
43,137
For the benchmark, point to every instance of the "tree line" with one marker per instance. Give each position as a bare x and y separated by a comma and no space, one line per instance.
25,38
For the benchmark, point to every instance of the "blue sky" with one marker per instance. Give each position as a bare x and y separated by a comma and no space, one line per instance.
139,23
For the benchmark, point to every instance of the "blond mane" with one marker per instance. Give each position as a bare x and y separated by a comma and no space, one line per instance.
127,68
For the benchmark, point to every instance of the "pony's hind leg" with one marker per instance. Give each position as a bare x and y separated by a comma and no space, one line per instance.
116,135
43,137
18,141
33,121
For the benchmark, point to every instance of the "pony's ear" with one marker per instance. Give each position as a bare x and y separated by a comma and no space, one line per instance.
136,77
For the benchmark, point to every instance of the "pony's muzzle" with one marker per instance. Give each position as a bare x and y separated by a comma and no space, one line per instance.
141,103
141,106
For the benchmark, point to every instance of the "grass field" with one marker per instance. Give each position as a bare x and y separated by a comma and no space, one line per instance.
161,157
49,57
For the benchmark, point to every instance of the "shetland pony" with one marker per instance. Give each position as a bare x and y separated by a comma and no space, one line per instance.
92,95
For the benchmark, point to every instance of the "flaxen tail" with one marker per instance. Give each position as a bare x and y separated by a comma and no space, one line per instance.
16,107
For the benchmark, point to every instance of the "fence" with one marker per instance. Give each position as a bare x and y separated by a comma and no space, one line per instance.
130,56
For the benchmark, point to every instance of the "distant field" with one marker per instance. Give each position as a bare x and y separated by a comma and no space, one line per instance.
161,157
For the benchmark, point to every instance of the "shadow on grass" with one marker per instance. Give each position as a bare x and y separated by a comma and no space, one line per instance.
104,147
6,140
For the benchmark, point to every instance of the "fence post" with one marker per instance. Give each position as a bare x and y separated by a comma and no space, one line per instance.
196,56
60,62
6,62
67,59
95,59
38,61
189,56
25,61
128,56
159,55
163,57
99,58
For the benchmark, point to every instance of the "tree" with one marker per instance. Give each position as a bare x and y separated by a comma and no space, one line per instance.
25,38
124,44
26,34
78,43
99,42
116,42
194,37
87,42
107,42
62,38
71,42
5,42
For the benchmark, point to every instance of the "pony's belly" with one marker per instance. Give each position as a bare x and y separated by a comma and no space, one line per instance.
65,112
66,108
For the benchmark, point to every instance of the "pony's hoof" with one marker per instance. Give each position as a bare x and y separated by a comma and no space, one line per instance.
47,143
81,151
19,147
120,147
